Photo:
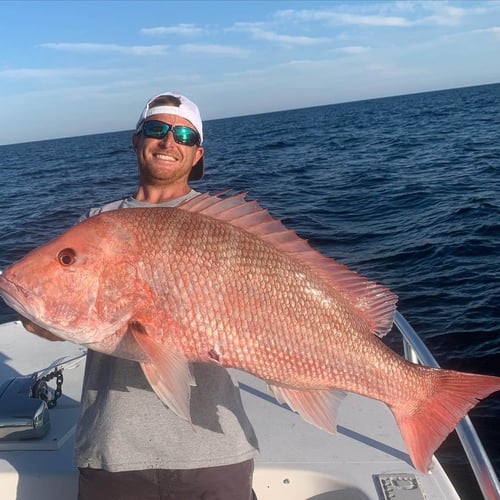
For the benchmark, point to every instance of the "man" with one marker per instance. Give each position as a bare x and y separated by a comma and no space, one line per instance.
128,444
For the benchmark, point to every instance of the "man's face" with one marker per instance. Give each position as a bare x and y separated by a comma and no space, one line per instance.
164,160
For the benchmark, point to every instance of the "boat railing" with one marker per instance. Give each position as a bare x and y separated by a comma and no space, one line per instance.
416,351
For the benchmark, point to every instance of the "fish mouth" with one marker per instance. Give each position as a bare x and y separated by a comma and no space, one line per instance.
25,304
15,296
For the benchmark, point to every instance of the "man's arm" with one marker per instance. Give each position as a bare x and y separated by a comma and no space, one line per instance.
38,330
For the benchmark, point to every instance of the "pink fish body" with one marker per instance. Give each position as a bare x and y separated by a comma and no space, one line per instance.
219,280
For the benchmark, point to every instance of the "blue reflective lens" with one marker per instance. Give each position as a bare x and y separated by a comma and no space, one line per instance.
182,134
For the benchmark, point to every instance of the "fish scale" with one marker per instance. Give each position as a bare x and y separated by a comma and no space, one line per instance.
218,280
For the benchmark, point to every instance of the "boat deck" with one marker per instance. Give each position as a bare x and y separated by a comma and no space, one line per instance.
366,459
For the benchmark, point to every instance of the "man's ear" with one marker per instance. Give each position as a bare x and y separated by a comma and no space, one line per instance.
199,153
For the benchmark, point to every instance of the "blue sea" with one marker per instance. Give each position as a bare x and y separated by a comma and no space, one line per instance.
404,190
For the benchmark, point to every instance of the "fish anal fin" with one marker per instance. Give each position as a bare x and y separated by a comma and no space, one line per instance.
426,425
375,303
166,370
318,407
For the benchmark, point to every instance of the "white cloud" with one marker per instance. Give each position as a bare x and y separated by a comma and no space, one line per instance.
182,29
443,15
372,20
354,49
495,30
214,49
389,14
259,33
287,39
468,37
31,73
138,50
340,18
146,50
54,73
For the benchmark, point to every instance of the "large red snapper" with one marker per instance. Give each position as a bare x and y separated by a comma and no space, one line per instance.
219,280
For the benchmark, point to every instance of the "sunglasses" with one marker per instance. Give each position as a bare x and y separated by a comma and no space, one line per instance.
182,134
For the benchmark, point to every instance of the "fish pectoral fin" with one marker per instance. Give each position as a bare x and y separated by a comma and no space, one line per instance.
318,407
172,391
167,371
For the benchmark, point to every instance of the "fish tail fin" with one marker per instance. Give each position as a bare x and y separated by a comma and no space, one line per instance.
426,424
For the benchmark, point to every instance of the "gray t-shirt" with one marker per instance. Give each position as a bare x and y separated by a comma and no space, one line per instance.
124,426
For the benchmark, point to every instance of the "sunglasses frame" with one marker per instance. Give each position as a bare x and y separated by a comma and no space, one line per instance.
177,135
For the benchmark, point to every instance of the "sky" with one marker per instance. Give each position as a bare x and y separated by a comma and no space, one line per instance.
70,68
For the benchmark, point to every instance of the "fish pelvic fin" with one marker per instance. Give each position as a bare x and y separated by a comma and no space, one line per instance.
167,372
318,407
426,424
375,303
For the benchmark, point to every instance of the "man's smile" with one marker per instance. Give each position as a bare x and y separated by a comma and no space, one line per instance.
165,157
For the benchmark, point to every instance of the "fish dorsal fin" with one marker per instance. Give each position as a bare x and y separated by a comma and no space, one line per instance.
374,302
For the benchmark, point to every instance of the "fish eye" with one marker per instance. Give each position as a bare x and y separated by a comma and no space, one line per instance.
66,257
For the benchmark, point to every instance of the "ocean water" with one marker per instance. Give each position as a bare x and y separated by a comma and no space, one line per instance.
404,190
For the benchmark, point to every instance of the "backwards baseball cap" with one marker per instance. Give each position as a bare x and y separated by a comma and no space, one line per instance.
188,110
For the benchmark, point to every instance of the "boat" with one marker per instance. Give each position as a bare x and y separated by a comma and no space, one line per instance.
365,460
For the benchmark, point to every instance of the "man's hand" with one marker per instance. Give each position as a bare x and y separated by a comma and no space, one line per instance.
38,330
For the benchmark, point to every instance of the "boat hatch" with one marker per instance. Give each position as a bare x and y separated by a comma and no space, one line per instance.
398,487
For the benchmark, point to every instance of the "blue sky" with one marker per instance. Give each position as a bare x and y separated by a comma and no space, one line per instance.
71,68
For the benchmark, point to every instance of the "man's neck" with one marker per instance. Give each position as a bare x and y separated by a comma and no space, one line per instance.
159,194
